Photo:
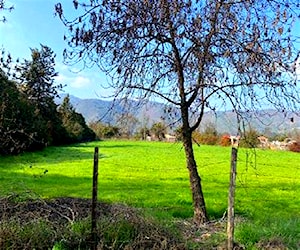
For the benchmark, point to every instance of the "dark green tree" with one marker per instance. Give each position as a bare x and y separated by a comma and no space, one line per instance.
36,82
158,129
195,55
74,123
20,126
37,75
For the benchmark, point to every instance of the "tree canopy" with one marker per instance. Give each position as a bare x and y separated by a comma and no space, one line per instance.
29,116
74,123
36,76
191,52
196,55
19,125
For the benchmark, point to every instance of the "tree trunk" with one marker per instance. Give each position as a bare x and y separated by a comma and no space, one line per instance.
200,214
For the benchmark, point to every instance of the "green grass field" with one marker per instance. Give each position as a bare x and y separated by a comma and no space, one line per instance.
153,176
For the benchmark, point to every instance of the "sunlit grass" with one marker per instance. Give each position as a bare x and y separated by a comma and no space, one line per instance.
153,176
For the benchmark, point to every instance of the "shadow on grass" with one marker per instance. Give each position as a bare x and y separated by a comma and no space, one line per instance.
256,203
45,185
51,155
114,144
69,153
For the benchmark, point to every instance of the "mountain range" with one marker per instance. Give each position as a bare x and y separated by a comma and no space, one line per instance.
109,112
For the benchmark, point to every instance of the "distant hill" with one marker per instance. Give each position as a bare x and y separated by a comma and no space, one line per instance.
109,111
265,121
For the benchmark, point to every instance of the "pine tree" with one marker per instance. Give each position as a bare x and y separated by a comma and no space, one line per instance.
36,77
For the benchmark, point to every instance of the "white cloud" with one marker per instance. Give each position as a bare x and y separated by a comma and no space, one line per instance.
80,82
76,82
61,67
61,79
84,84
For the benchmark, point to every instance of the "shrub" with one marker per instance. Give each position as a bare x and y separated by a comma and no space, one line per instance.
225,140
294,147
205,138
119,233
158,129
250,139
104,130
209,136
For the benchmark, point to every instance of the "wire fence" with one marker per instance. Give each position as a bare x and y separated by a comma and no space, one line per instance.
262,187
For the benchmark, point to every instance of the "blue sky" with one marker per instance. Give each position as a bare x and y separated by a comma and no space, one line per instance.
31,23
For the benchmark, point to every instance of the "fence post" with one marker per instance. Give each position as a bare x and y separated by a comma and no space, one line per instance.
231,194
94,199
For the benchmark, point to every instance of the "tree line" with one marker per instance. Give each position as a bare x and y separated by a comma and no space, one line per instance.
29,117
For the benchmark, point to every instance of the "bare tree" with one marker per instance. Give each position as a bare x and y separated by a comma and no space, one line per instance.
196,55
127,124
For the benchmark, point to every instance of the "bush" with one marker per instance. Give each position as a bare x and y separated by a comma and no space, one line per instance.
250,139
158,129
104,131
205,138
209,136
225,140
21,126
74,124
294,147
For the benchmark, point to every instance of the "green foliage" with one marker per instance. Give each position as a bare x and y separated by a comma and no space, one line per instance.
74,123
208,137
28,102
158,129
249,139
28,225
36,81
104,131
142,133
119,233
20,126
36,77
280,232
37,233
29,116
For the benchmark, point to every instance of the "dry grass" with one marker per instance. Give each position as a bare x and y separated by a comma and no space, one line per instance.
64,223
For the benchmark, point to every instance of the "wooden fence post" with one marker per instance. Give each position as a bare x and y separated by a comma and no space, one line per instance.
94,199
231,194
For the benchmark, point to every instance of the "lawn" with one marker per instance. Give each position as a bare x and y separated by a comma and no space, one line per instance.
153,176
